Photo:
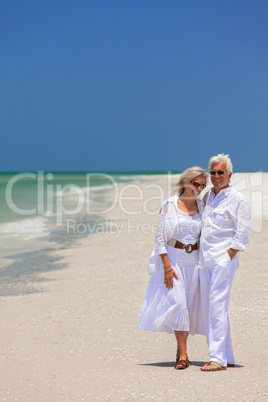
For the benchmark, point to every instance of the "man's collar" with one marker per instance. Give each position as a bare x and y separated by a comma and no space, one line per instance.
224,191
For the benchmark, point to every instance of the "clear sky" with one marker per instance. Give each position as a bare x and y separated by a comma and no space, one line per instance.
114,85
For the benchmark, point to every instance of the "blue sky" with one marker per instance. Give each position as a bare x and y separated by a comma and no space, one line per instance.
133,85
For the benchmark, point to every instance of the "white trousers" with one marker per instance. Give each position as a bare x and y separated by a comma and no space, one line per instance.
215,290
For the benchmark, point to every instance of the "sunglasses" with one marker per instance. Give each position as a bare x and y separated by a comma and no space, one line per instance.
220,172
197,185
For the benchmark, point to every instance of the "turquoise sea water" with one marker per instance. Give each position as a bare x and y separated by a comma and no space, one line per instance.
39,190
34,210
29,199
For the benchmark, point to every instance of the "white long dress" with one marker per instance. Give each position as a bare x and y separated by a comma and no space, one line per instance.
176,309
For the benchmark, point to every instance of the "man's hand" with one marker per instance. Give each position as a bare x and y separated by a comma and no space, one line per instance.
232,252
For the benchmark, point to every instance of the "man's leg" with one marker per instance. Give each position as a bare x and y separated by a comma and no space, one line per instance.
220,344
229,347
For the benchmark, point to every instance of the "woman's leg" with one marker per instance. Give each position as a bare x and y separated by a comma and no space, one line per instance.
181,337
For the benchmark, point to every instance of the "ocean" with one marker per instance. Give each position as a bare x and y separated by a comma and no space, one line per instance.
38,213
41,212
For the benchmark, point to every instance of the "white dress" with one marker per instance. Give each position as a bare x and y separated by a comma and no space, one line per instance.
176,309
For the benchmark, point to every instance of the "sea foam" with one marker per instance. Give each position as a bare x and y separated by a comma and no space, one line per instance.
26,228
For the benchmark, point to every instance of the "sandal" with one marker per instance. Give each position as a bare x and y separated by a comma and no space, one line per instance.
182,364
214,366
178,358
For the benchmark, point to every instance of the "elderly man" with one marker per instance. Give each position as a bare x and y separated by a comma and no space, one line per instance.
225,222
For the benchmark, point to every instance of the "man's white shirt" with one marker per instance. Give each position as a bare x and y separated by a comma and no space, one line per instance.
225,224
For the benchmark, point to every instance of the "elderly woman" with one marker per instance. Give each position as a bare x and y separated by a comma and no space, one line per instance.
172,298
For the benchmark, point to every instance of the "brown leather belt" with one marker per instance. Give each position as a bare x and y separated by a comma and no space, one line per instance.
187,247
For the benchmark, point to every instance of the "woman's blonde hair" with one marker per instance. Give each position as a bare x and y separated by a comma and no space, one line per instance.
188,175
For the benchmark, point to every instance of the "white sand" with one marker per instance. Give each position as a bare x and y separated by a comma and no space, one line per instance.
77,339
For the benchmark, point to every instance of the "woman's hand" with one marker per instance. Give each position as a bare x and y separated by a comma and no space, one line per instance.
168,277
168,271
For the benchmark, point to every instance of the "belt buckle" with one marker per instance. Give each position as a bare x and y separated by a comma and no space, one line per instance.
188,248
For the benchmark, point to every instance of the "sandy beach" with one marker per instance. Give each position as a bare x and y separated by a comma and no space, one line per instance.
77,339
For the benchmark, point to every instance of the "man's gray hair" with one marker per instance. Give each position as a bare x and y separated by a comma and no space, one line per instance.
221,158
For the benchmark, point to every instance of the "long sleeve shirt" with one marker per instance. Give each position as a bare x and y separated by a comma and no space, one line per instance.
177,224
225,224
173,223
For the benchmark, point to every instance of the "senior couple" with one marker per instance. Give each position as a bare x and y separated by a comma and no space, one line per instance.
198,240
